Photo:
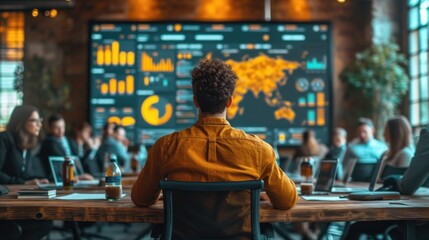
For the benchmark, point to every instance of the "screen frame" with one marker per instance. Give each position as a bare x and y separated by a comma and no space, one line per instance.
323,186
329,70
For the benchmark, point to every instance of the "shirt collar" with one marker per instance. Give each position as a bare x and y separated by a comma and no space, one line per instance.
212,121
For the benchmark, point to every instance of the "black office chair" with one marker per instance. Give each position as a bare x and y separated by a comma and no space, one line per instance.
363,172
391,170
200,210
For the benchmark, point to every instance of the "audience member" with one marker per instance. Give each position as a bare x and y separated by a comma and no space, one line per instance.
365,148
397,134
115,143
82,142
85,145
16,144
57,144
108,130
416,175
338,148
310,147
212,150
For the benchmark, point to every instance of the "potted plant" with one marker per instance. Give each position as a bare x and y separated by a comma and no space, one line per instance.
44,87
375,83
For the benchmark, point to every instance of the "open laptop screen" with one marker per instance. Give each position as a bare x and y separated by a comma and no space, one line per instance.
326,177
56,163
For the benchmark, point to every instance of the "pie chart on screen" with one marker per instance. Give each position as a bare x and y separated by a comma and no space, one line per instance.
156,110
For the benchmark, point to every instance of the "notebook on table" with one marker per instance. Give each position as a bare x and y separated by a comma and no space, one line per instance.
56,165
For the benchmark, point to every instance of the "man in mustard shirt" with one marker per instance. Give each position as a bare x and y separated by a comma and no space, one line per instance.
211,150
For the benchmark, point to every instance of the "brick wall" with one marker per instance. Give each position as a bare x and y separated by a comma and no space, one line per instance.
62,41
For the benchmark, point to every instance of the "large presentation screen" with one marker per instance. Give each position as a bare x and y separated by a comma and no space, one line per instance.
140,76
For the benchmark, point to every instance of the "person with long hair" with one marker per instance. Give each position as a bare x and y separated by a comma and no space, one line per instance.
16,143
397,134
310,147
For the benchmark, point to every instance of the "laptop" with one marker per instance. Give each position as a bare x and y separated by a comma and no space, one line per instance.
327,169
326,177
56,165
373,181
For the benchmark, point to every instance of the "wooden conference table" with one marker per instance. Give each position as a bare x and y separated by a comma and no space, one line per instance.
410,208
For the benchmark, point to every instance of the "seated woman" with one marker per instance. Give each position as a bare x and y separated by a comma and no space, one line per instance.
397,134
16,144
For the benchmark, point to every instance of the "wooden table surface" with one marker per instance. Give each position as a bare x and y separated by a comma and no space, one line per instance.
408,208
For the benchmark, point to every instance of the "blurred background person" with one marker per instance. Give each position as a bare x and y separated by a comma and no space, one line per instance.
365,147
82,141
108,130
16,144
310,147
398,135
85,145
57,144
416,176
338,148
117,144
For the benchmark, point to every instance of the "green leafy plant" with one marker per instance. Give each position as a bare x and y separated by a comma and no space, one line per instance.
44,87
375,83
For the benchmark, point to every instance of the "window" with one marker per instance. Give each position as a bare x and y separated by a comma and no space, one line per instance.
11,65
418,39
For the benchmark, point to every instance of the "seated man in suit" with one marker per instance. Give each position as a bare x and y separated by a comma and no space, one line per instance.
57,144
365,148
213,151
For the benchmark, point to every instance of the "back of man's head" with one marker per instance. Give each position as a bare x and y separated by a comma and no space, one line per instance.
213,83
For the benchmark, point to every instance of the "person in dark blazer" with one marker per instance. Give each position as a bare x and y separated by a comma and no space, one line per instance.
57,144
16,144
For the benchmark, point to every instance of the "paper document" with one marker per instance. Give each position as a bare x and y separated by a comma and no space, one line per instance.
324,198
85,196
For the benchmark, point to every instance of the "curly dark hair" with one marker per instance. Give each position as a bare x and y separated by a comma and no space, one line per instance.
213,82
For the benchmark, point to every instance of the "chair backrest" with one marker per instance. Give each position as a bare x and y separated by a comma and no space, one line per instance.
391,170
172,189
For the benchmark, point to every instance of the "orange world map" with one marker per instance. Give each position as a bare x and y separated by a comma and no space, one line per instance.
262,74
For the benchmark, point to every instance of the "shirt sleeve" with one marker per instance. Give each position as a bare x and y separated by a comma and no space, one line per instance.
4,178
279,187
418,171
146,190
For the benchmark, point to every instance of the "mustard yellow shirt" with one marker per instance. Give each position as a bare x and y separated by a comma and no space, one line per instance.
213,151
